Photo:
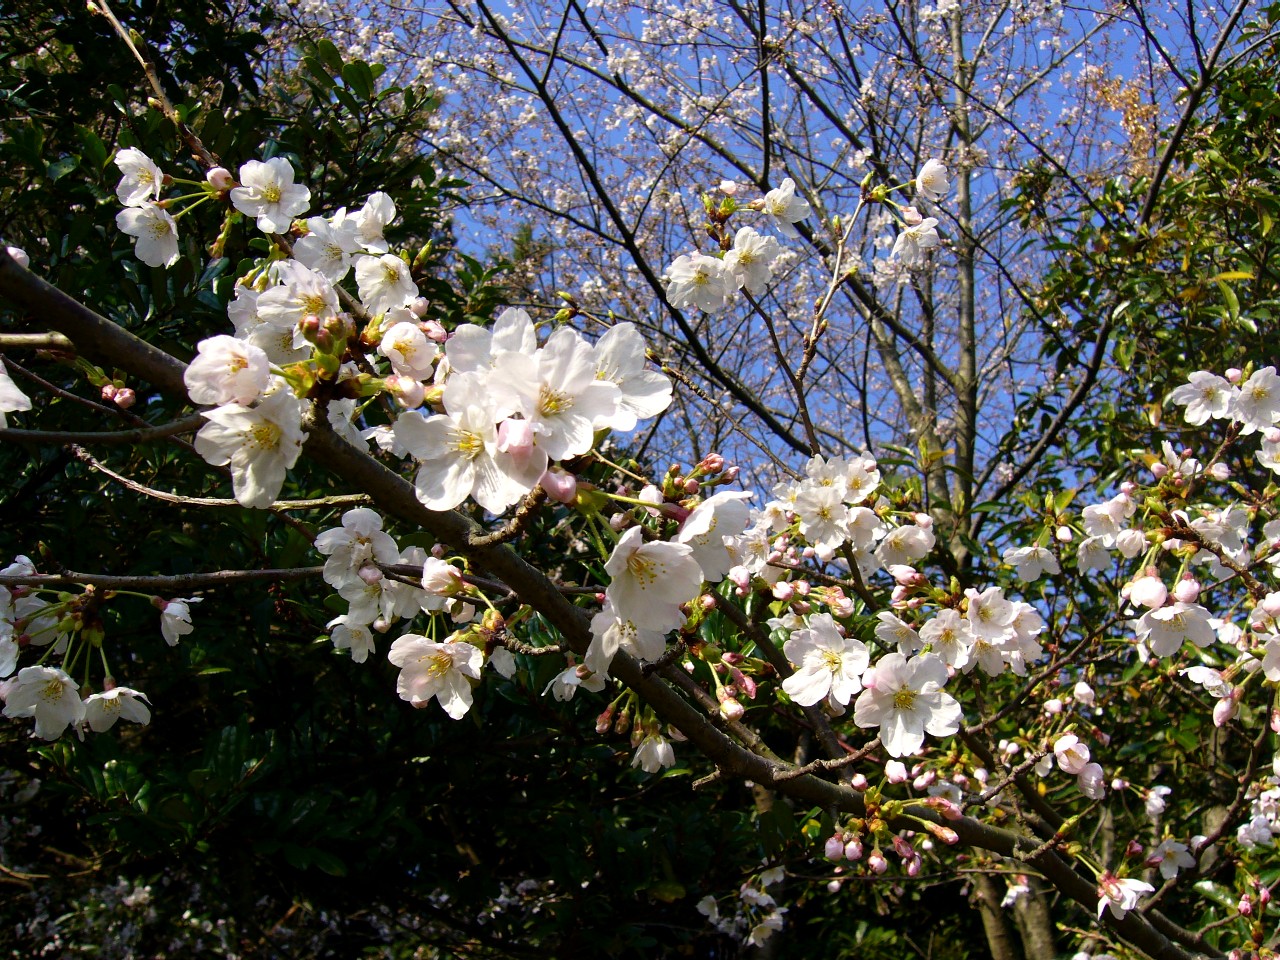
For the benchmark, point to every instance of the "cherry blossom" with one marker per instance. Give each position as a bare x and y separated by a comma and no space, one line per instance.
268,193
440,670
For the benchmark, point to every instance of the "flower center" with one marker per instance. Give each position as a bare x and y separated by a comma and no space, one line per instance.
469,444
642,569
904,699
832,661
53,690
265,435
272,193
552,402
441,663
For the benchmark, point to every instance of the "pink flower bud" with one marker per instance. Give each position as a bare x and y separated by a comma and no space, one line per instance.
731,474
782,590
560,485
419,306
728,188
370,574
1063,535
381,625
1134,849
1148,592
731,709
947,808
1220,471
911,217
834,849
710,464
740,578
1264,896
853,850
1245,906
859,782
925,780
1233,374
877,863
109,392
604,721
516,437
406,391
1128,488
1158,469
125,398
1083,693
1186,590
619,522
1224,710
220,178
1053,707
691,485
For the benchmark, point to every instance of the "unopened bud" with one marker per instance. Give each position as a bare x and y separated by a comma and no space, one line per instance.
560,485
853,850
220,178
1186,590
731,710
691,485
1134,849
434,330
1063,534
604,721
109,392
728,188
125,398
381,625
877,863
1233,374
370,574
1220,471
419,306
834,849
1158,470
1245,906
19,256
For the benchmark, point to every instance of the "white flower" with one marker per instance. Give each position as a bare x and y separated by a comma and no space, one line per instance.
611,633
1120,896
1031,562
566,683
142,181
102,710
643,393
12,400
654,753
1257,405
1091,781
329,245
410,352
301,292
349,634
710,529
440,670
47,694
828,665
949,638
931,181
892,630
1164,630
1172,856
1072,755
1154,802
751,259
459,455
905,544
651,580
155,234
904,698
557,392
227,370
698,281
268,193
1207,395
384,283
378,211
175,619
785,208
261,443
914,241
359,541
